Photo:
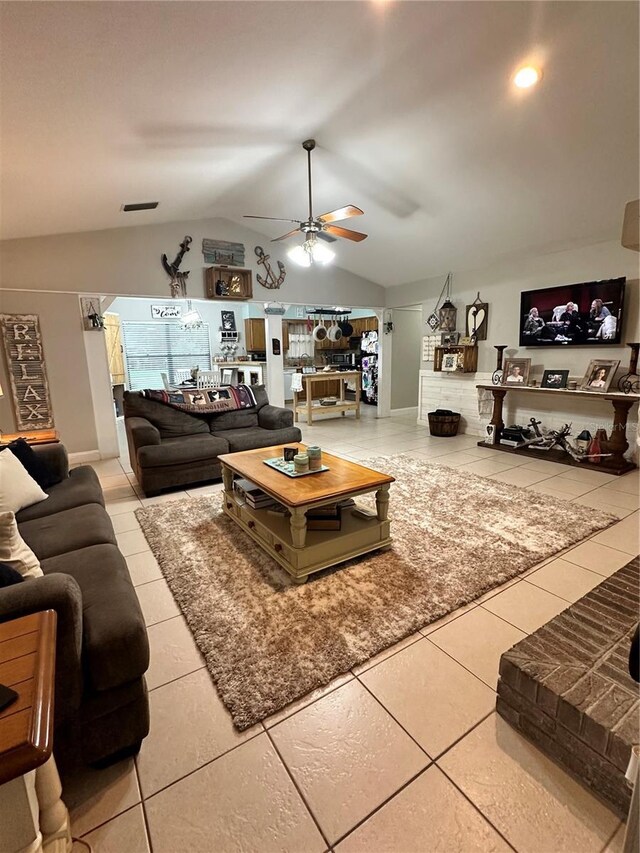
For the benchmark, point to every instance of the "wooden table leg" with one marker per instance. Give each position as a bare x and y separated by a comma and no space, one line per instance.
382,502
298,527
308,386
227,478
54,817
496,419
358,396
295,407
618,442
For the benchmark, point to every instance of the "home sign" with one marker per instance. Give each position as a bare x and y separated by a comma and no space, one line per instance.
166,312
27,371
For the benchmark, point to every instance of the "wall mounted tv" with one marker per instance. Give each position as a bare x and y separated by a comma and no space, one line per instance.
573,314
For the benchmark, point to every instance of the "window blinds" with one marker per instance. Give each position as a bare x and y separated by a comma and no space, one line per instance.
155,348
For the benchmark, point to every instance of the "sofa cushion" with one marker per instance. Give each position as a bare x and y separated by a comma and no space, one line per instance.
80,487
68,530
115,649
242,419
249,439
170,422
178,451
34,465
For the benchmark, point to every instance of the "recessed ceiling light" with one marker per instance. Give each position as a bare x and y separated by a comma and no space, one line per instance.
141,205
527,76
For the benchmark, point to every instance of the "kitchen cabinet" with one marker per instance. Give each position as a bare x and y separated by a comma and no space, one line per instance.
254,335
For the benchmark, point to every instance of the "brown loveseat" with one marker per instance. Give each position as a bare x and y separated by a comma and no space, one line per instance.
102,652
169,448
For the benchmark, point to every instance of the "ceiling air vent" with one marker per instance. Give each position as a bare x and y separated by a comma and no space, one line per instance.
142,205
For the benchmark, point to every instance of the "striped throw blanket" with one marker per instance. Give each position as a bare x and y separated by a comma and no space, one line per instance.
227,398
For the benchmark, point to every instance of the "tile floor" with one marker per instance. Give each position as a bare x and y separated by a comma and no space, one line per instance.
403,754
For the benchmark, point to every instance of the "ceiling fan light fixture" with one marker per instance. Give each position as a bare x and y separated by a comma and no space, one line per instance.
311,252
299,256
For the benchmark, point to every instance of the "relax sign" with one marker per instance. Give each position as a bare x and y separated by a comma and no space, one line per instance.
27,372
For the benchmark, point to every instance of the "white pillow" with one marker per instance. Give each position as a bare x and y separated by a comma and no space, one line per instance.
18,489
13,549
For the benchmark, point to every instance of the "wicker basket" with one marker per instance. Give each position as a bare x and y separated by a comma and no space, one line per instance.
443,423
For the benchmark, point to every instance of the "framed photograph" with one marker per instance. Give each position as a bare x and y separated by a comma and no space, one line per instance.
599,375
228,321
450,361
554,379
449,339
516,371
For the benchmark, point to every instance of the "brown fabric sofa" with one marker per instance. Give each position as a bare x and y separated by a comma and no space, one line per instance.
102,653
169,448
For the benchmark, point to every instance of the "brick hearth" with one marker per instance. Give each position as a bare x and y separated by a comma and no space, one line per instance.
567,687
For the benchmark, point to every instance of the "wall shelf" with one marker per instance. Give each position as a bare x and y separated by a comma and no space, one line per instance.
467,356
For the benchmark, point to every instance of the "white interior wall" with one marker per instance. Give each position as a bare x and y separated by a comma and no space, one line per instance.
406,340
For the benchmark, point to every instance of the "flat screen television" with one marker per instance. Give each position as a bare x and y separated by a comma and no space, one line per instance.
573,314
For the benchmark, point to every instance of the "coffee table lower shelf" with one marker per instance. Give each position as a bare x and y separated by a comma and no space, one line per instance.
322,548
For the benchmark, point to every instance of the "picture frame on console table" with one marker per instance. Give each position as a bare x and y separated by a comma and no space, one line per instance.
554,379
599,375
516,372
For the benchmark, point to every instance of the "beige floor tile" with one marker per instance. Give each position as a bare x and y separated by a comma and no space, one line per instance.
242,803
114,481
431,815
565,579
597,558
422,688
484,467
143,568
301,703
132,542
126,505
526,606
545,467
125,522
118,493
526,796
544,488
189,727
608,497
347,755
629,483
127,832
95,796
600,503
497,590
455,614
571,488
164,498
107,468
624,536
519,477
457,458
430,451
477,640
616,845
173,652
157,602
587,476
386,653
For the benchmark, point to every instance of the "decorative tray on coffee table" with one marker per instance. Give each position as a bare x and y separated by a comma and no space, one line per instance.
288,468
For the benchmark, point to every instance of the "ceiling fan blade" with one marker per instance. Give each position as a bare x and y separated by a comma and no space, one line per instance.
288,234
338,231
341,213
274,218
322,235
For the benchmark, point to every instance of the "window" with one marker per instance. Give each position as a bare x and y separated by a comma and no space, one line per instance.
152,349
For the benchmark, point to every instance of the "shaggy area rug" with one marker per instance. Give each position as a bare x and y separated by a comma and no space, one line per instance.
268,641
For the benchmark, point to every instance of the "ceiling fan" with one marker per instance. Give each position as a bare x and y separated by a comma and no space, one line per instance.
317,227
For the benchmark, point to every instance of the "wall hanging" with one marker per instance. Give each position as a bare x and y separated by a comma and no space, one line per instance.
92,319
227,283
166,312
223,252
178,283
27,371
477,317
445,317
270,281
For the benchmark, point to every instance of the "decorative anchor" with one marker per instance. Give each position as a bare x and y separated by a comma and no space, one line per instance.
178,283
270,282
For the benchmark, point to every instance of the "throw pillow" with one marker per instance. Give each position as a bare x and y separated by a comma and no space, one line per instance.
17,488
14,550
9,576
32,463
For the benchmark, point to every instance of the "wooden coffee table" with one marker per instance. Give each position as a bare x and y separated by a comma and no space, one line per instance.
286,539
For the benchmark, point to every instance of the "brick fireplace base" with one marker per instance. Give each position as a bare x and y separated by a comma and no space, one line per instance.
567,687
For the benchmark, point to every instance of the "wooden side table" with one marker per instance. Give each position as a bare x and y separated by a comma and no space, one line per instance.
32,815
33,436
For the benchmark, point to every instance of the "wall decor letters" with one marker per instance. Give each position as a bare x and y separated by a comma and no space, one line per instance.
223,252
27,371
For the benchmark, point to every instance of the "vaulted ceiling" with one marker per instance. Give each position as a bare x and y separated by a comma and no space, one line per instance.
202,106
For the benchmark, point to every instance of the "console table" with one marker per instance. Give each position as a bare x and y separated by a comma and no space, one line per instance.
617,445
33,436
33,817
